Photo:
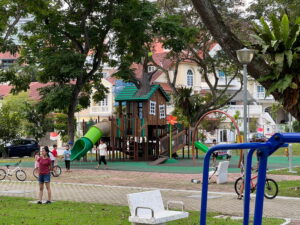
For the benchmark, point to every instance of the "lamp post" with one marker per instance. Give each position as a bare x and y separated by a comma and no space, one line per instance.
245,56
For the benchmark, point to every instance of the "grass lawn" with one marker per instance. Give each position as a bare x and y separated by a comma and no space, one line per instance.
289,188
285,171
20,211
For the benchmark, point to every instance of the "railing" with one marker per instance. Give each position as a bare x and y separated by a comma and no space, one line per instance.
262,95
99,109
252,109
178,141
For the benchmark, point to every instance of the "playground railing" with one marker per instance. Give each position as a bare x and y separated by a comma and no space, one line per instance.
264,151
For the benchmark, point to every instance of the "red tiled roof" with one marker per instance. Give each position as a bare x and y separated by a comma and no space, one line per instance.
7,55
34,89
4,90
165,86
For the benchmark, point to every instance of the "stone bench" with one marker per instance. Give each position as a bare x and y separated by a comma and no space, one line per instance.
148,208
221,172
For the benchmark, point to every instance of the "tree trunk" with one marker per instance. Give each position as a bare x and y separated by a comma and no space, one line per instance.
71,113
145,86
230,43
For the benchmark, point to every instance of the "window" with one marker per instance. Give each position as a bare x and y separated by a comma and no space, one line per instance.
5,63
189,78
152,108
223,135
140,110
221,74
104,102
260,89
162,111
104,74
151,69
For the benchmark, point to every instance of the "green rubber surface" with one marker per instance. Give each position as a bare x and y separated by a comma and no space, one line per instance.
80,148
184,166
94,134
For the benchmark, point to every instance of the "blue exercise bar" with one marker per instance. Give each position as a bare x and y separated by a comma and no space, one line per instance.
265,150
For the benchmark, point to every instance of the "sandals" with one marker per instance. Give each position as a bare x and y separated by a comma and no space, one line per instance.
240,197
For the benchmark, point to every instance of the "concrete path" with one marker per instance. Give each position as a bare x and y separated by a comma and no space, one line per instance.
223,202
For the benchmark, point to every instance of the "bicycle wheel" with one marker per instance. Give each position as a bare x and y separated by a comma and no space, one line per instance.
36,173
56,171
237,185
2,174
271,189
21,175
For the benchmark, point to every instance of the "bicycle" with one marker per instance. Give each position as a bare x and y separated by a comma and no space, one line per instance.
271,187
56,171
20,174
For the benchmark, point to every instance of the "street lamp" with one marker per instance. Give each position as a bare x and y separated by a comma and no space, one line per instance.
245,56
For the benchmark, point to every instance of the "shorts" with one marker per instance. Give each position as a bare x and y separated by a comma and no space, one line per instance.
44,178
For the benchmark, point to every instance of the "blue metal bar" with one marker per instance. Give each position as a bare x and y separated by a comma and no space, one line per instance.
247,187
205,187
260,187
266,149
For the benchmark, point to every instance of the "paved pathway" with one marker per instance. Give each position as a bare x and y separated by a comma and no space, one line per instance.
225,203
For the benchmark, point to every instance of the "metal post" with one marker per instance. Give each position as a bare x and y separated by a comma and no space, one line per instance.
290,147
204,188
245,117
245,101
260,188
247,187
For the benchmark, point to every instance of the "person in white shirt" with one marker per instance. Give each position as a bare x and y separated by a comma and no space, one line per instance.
53,158
102,153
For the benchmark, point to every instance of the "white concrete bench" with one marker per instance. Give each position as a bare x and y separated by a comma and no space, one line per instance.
221,172
148,208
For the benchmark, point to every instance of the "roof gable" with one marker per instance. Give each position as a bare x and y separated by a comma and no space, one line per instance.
129,94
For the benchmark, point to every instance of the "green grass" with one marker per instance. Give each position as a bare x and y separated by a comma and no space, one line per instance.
20,211
296,150
287,188
286,171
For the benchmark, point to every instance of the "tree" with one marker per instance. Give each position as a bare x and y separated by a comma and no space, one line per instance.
230,43
36,124
185,42
9,126
32,122
69,42
279,45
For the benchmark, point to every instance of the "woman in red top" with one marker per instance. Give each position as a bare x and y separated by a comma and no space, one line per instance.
44,174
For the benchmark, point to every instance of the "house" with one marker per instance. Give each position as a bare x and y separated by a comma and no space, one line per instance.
141,123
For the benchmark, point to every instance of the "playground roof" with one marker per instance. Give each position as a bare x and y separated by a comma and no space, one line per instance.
129,94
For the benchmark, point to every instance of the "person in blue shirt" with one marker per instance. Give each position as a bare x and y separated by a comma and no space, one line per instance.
67,157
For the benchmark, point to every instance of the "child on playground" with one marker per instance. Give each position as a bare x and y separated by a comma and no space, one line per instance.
102,153
45,166
67,158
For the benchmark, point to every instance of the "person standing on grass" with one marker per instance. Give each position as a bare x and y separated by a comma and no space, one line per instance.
67,157
102,154
45,166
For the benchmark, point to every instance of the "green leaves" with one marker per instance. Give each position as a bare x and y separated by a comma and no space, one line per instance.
285,28
280,50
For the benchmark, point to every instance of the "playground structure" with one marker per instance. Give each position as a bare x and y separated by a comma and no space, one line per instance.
264,151
138,131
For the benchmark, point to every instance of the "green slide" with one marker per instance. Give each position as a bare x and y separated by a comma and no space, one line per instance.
201,146
86,143
204,148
